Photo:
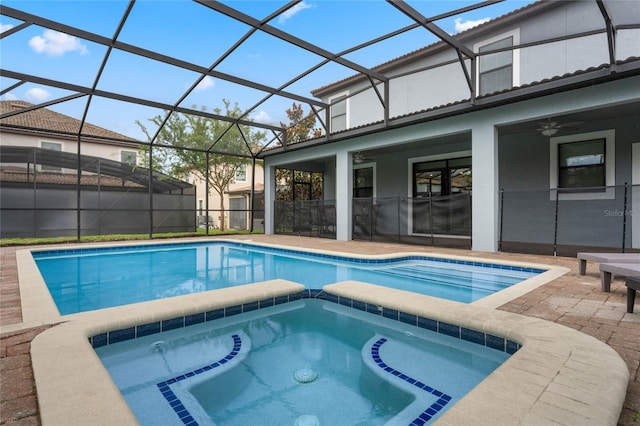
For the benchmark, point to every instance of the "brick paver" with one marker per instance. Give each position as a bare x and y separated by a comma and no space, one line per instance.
571,300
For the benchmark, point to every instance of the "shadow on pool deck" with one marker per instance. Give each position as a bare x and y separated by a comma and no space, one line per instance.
571,300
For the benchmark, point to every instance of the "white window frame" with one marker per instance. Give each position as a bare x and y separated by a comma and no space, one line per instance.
609,164
371,165
52,169
235,175
515,34
410,162
131,152
346,110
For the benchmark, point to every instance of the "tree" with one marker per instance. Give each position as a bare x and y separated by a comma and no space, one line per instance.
193,136
300,128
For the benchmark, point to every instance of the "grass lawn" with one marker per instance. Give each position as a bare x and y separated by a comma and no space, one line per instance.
6,242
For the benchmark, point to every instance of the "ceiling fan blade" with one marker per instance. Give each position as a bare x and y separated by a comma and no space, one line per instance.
548,124
570,124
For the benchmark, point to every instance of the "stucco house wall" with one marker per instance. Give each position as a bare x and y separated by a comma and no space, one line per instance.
442,85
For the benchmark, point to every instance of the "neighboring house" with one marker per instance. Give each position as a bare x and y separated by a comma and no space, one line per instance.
40,194
237,201
47,129
533,146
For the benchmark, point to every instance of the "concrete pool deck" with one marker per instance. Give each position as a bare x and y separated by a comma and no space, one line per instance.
571,300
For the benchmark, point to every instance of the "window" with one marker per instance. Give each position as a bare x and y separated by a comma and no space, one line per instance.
500,70
338,113
440,189
241,173
581,164
496,69
51,146
442,177
364,181
129,157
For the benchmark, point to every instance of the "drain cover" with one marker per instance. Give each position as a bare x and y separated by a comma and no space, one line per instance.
307,420
305,375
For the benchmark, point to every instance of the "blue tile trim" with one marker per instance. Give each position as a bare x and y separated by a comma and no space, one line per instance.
174,401
449,329
122,335
433,409
452,330
194,319
147,329
44,253
173,323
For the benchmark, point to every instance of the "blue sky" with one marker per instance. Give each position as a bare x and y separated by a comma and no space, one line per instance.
196,34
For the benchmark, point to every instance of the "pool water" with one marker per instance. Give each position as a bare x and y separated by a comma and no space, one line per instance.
89,279
303,362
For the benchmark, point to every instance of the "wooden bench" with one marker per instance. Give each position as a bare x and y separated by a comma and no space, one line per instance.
623,269
633,284
605,258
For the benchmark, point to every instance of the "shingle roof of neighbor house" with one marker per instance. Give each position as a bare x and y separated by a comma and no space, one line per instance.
43,121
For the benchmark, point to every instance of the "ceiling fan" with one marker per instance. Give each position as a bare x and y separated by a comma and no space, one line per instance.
359,158
550,128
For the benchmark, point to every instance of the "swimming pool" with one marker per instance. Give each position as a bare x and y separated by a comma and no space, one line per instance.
308,361
75,389
83,280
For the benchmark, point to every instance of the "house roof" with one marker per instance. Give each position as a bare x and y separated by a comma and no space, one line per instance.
43,121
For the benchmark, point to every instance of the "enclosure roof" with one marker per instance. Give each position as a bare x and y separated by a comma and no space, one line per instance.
119,64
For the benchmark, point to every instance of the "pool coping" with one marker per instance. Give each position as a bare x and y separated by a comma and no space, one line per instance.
38,306
563,376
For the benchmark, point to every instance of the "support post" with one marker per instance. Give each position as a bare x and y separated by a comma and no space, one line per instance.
206,193
555,227
344,196
253,192
624,219
484,214
150,191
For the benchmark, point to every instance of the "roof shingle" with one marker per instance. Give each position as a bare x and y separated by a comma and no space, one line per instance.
46,121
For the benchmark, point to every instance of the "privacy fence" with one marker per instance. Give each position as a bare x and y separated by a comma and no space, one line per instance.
562,223
546,222
442,221
49,193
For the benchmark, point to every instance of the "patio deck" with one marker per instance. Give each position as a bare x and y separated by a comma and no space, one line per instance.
571,300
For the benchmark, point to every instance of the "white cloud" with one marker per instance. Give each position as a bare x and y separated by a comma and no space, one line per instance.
263,117
294,11
10,97
37,94
465,25
206,83
5,27
55,43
